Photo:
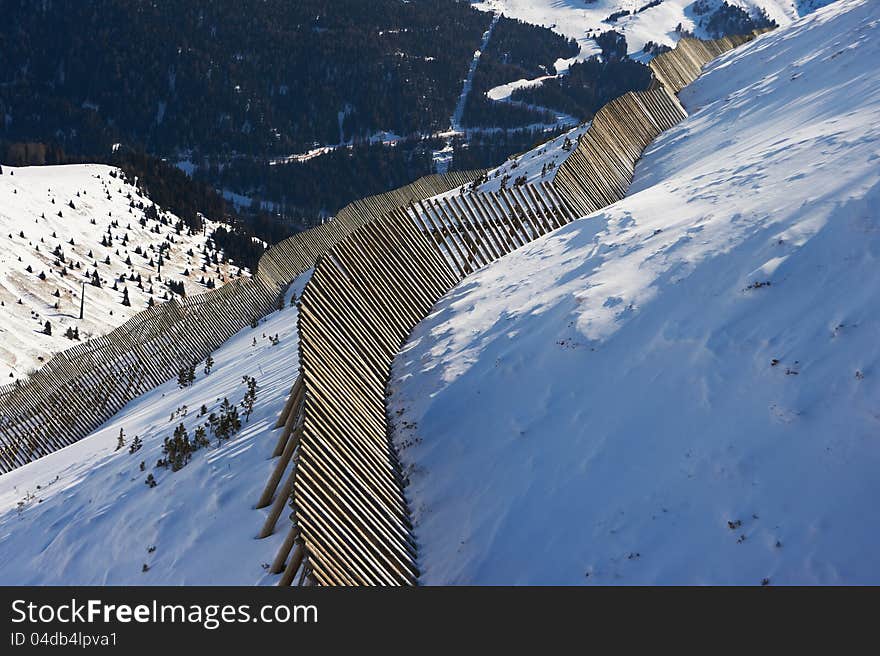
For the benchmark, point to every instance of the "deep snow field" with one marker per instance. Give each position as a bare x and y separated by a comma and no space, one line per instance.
30,200
84,515
683,388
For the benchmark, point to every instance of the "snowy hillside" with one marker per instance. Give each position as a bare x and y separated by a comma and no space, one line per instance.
84,515
534,166
684,387
645,20
60,224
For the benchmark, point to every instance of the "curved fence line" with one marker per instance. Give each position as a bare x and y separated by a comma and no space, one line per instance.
83,386
599,171
340,471
677,68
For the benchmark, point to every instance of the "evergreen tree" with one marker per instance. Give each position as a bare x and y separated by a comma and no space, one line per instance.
250,396
209,364
47,329
234,421
177,449
120,441
200,438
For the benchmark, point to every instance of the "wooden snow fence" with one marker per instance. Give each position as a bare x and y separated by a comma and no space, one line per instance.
81,387
473,229
363,299
336,465
599,171
679,67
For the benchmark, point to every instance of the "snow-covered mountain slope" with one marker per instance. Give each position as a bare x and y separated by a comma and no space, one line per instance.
684,387
536,165
579,19
65,214
84,515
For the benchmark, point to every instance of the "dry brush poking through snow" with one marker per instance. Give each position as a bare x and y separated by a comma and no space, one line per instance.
684,387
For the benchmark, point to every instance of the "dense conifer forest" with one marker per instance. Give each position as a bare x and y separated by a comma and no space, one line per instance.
322,185
588,85
258,77
516,51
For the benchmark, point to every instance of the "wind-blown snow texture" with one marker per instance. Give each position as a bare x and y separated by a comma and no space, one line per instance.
84,515
684,387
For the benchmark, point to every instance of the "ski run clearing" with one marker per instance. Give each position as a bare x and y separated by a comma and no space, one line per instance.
683,388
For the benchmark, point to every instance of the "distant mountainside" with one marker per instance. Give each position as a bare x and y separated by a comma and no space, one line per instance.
255,77
649,23
236,91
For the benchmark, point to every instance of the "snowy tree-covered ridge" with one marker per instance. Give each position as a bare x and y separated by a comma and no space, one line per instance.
83,386
65,226
368,293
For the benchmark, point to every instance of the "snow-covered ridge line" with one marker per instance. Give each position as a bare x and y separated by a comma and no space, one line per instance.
82,387
360,305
